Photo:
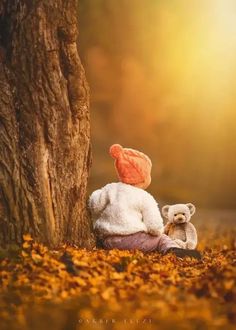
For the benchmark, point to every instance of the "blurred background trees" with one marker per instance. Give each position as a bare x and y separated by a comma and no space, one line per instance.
162,79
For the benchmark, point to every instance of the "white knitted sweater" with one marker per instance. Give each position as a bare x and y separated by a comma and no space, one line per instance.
121,209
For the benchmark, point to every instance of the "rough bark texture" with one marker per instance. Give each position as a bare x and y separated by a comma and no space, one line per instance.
44,124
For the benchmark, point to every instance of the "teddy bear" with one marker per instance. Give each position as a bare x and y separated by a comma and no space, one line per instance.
178,226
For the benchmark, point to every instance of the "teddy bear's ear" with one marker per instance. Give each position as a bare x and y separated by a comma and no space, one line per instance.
165,210
192,208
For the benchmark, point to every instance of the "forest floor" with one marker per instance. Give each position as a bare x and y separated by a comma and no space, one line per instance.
78,289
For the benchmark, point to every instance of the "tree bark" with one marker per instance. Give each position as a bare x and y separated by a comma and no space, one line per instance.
44,124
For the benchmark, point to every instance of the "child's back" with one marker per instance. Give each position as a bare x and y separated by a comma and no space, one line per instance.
122,209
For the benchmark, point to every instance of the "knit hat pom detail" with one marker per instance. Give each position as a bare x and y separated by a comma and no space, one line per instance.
115,150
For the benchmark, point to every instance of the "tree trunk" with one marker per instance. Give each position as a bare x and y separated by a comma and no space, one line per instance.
44,124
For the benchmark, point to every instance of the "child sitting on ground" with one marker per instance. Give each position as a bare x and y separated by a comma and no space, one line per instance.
125,216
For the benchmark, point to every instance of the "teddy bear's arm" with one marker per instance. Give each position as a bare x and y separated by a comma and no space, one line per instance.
191,236
167,228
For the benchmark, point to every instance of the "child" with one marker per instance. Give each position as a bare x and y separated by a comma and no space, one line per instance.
125,216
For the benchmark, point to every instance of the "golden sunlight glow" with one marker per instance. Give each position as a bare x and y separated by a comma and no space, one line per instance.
221,41
200,47
171,72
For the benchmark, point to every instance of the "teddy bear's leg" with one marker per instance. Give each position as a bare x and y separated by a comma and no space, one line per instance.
191,245
180,243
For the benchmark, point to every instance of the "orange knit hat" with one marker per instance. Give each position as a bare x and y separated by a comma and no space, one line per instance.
132,166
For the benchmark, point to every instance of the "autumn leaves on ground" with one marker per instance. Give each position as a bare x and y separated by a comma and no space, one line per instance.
79,289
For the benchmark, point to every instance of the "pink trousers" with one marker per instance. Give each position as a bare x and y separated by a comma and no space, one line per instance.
139,241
